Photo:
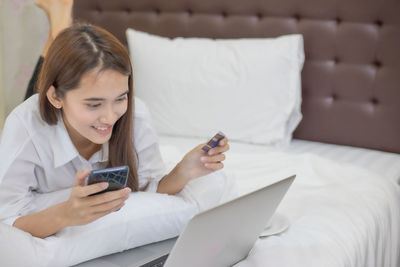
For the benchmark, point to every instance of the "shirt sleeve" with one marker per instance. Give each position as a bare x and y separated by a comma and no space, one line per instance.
18,159
151,168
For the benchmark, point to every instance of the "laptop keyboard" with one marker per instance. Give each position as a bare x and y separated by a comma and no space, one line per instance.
159,262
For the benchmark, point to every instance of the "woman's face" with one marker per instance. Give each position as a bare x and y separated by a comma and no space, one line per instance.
91,110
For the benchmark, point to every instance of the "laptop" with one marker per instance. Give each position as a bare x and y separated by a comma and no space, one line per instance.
224,235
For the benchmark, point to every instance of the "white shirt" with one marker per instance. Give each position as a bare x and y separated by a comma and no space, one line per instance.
38,162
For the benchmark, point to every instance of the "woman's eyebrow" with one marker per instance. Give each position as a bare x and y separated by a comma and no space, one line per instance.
124,93
102,99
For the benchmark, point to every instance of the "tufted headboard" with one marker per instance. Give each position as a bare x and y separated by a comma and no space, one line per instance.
351,76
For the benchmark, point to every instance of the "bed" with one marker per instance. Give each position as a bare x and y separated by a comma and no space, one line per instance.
350,107
344,208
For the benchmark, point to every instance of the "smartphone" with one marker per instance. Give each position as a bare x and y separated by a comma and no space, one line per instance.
116,177
213,141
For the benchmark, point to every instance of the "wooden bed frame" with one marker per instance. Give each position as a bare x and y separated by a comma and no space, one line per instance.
351,75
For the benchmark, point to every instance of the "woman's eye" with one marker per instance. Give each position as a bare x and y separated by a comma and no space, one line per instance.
121,99
93,105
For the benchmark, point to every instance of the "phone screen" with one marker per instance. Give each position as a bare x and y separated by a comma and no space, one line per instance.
116,177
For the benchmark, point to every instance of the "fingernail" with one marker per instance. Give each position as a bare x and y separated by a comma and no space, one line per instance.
105,185
203,159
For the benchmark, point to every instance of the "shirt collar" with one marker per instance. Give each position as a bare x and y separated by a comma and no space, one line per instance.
101,155
65,151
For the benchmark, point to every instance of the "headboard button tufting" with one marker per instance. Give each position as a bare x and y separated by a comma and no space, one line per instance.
296,17
379,23
336,60
374,101
377,63
348,50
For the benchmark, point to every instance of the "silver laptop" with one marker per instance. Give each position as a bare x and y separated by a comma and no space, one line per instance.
224,235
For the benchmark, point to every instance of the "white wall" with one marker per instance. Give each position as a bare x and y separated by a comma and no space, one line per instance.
23,30
2,108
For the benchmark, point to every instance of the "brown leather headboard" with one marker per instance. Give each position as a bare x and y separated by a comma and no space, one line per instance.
351,76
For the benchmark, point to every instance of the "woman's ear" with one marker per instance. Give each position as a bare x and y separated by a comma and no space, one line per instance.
53,98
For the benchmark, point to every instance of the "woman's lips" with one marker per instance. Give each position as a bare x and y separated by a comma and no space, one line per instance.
103,130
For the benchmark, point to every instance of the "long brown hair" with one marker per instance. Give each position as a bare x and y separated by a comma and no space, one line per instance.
77,50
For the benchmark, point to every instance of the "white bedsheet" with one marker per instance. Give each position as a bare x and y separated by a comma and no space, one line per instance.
383,163
340,215
343,211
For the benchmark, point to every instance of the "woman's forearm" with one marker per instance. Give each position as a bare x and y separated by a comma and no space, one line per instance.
173,182
44,223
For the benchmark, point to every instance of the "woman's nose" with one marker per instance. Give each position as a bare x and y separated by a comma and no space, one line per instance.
108,117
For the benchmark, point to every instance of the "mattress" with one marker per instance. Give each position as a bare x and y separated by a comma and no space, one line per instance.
343,210
384,163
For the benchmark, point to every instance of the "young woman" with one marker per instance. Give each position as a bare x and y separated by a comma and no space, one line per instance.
84,117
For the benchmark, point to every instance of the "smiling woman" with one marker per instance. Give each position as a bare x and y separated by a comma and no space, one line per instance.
85,117
90,120
87,62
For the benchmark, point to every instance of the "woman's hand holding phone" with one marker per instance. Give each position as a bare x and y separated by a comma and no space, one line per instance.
81,208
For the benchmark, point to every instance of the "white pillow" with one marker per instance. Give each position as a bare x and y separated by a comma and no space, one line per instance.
145,218
250,89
